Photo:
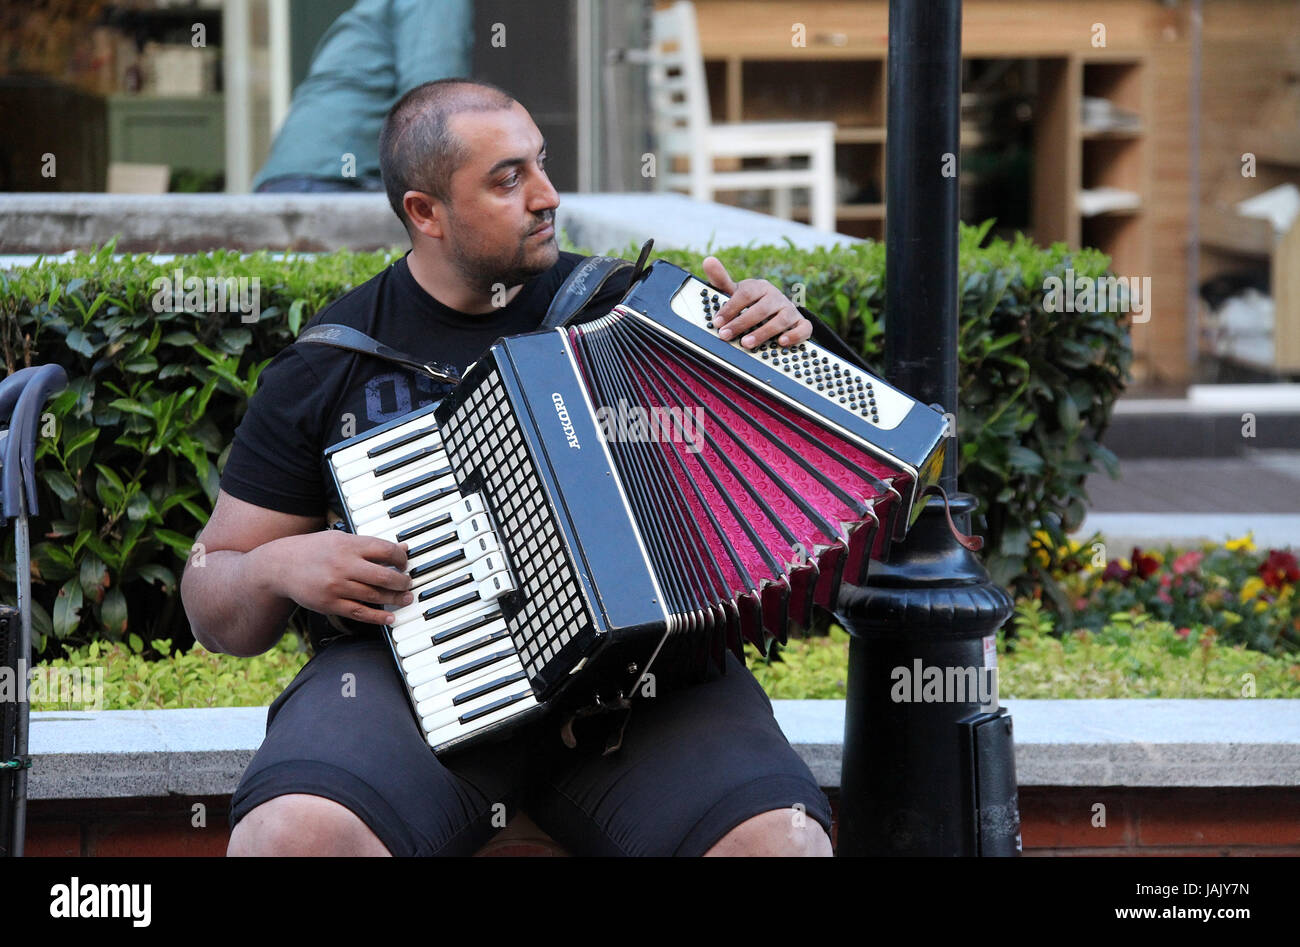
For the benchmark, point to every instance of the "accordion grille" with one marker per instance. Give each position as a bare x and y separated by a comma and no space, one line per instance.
486,444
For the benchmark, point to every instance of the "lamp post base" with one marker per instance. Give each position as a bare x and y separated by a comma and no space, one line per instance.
929,761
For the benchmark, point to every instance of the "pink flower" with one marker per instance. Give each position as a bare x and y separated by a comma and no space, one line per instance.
1183,632
1188,562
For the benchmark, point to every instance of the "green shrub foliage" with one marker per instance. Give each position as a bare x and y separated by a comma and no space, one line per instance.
130,453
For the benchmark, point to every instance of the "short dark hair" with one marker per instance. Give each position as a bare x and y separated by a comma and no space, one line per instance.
417,150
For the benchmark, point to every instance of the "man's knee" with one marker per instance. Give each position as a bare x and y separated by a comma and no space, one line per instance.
299,824
780,832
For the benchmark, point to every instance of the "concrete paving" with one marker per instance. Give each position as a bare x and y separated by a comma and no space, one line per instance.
1187,501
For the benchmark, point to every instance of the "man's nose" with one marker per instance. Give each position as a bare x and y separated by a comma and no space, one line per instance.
544,195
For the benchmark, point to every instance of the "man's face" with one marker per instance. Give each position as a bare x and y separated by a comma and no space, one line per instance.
498,227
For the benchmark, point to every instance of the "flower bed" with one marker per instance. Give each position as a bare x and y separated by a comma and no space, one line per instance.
1241,594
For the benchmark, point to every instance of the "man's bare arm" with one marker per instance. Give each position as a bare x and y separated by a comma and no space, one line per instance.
258,564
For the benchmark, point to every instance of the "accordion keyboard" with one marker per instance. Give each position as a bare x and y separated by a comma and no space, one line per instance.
455,654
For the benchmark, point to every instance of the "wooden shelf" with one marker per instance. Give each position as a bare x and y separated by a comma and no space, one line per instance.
1106,134
860,211
1116,212
1226,230
860,135
1280,147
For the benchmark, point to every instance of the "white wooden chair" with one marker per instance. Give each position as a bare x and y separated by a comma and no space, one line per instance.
684,129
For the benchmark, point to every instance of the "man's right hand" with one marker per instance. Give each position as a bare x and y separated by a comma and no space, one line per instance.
338,573
257,564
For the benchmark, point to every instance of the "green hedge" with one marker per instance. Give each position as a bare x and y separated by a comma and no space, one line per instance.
129,464
1132,656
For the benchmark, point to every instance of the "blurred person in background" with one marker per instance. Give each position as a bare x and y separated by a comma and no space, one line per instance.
371,55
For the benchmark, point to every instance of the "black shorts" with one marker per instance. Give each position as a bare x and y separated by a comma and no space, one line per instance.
694,764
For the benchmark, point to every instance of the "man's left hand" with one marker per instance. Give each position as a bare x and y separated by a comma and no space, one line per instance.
757,309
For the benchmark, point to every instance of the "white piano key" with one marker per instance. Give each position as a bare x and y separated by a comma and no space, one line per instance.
364,499
360,491
456,730
463,556
377,522
416,635
367,466
438,693
435,512
424,666
399,433
473,596
433,678
434,714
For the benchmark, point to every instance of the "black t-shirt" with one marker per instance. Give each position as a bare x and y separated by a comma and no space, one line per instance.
313,396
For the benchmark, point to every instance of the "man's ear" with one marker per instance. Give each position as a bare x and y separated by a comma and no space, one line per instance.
425,213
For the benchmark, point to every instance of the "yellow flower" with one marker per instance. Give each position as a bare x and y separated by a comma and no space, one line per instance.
1245,543
1251,587
1261,606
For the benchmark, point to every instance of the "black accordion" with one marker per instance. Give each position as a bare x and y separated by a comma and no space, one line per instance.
604,505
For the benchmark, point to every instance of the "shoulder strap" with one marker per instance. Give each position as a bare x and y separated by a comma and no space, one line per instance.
354,340
586,282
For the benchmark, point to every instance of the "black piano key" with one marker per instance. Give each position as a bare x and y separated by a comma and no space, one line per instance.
470,624
495,705
438,563
427,525
463,649
421,480
412,504
480,663
399,441
434,591
391,465
487,688
431,545
459,602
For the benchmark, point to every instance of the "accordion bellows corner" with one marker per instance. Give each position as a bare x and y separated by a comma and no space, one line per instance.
630,496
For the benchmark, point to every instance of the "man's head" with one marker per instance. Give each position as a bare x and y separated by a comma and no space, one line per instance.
463,164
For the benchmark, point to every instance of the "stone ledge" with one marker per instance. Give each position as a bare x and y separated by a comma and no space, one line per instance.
185,223
1138,743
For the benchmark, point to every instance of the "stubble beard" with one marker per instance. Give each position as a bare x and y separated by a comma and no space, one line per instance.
490,272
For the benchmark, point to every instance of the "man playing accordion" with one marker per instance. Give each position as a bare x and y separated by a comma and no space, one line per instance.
343,769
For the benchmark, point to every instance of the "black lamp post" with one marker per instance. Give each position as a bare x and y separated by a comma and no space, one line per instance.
929,765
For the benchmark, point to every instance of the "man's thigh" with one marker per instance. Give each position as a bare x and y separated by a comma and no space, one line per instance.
694,764
343,730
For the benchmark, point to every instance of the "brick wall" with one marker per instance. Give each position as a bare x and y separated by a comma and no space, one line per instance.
1055,821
